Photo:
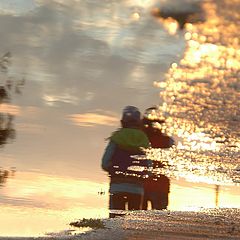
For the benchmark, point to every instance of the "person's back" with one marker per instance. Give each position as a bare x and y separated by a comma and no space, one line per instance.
157,138
157,186
126,185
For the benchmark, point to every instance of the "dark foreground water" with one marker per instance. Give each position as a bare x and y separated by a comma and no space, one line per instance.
67,70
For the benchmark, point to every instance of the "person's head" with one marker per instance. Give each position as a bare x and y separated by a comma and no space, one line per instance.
150,118
131,117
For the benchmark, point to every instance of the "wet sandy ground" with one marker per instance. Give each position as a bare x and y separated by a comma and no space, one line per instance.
141,225
203,224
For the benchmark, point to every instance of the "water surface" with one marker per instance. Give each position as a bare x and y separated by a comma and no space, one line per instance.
70,68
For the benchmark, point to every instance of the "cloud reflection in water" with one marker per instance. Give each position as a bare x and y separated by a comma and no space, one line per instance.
92,119
41,203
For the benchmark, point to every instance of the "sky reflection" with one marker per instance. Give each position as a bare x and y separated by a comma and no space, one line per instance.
91,119
41,203
34,204
77,64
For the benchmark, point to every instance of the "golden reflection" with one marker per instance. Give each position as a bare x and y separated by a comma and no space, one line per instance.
207,196
42,203
201,98
10,109
170,25
36,222
92,119
136,16
37,189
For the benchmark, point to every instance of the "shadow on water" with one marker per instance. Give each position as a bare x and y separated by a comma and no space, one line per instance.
181,12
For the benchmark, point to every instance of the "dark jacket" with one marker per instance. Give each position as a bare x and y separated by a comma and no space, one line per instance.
118,160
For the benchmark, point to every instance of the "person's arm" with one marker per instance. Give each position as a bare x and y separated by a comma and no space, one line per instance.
107,156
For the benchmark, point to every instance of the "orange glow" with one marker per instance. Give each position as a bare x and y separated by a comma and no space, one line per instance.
204,196
35,222
201,102
92,119
170,25
136,16
10,109
40,203
48,191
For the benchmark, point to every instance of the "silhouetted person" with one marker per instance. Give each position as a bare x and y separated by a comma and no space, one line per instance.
157,186
126,185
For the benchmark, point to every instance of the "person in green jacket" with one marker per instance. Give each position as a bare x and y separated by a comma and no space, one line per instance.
126,172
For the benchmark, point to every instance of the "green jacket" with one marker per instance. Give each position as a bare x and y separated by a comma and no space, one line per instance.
131,140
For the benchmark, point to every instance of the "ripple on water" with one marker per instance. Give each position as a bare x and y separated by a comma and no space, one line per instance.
201,96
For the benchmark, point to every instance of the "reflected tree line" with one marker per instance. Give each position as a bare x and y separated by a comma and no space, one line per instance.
5,174
6,120
8,87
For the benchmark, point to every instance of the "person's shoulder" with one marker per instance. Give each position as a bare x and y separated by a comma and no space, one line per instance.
130,131
169,140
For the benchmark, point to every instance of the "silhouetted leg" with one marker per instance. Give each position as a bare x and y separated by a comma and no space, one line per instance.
154,198
159,200
146,198
117,201
134,201
163,201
